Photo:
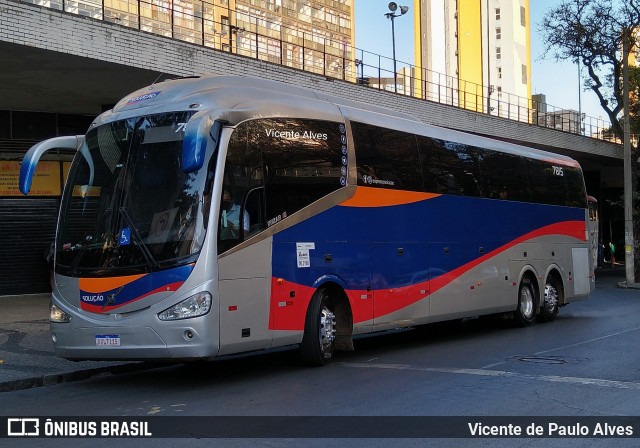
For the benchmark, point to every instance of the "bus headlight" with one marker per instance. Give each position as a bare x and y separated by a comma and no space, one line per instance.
57,315
194,306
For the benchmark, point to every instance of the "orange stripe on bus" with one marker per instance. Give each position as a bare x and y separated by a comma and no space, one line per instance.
379,197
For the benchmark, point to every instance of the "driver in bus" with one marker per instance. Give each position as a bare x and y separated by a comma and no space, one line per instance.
230,217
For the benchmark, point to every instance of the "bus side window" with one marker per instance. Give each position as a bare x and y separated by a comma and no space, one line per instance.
242,176
504,176
254,206
547,187
387,158
576,191
303,162
449,167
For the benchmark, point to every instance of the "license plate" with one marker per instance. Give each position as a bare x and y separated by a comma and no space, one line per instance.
108,340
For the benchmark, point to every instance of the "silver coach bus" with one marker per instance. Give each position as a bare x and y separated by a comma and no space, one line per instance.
219,215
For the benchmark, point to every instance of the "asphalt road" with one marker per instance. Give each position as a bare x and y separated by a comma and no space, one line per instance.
586,363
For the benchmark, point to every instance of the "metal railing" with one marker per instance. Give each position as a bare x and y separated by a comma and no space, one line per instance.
251,36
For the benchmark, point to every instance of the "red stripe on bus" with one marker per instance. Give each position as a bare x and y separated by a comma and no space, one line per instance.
289,314
99,309
290,301
388,302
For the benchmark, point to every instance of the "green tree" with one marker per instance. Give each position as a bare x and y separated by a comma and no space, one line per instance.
634,88
593,32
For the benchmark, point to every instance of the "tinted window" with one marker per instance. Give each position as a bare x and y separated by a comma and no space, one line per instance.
387,158
576,193
128,207
303,161
243,174
547,183
449,167
275,167
504,176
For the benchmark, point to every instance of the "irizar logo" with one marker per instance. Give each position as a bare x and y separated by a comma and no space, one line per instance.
146,96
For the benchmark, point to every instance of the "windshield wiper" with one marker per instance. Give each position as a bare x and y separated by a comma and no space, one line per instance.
139,242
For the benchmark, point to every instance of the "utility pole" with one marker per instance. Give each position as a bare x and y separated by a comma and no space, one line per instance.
629,245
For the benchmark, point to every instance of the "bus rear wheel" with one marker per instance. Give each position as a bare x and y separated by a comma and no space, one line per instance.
551,304
525,314
319,336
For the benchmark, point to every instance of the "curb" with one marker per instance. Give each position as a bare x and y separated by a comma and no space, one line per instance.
50,380
626,285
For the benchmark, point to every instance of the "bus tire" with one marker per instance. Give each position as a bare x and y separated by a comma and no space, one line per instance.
551,300
525,314
319,336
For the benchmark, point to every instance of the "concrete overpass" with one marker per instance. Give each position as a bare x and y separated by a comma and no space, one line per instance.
54,61
61,63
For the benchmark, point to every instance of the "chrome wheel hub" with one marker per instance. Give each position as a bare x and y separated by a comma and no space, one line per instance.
526,302
550,297
327,330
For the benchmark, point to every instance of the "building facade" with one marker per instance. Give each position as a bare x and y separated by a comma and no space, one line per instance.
312,35
479,51
61,67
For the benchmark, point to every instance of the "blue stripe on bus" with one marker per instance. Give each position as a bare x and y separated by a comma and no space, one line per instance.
346,238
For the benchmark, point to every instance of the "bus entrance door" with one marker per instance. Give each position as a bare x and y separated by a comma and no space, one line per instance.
244,279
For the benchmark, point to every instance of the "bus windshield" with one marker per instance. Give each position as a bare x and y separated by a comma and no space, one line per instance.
128,207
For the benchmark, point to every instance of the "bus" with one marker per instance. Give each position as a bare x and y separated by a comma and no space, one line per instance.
222,215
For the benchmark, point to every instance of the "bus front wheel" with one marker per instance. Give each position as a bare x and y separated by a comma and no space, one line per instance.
319,330
525,314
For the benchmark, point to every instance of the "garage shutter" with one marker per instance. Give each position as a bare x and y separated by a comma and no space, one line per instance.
27,228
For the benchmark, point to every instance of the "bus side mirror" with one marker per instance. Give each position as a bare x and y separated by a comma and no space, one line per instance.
196,135
32,157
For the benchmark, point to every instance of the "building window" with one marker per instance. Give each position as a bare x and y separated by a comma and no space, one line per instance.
523,16
497,13
498,33
498,53
499,72
524,74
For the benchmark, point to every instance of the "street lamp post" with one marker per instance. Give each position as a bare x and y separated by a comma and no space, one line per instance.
393,7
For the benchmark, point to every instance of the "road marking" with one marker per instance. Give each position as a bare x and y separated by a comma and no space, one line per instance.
571,345
502,374
590,340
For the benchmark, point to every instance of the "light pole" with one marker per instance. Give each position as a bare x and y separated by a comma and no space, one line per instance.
393,7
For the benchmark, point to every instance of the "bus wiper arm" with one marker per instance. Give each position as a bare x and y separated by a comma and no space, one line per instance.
139,242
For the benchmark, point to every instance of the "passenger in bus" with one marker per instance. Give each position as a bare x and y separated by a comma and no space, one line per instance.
230,218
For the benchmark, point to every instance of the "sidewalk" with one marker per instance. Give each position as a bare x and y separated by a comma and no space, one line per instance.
26,351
